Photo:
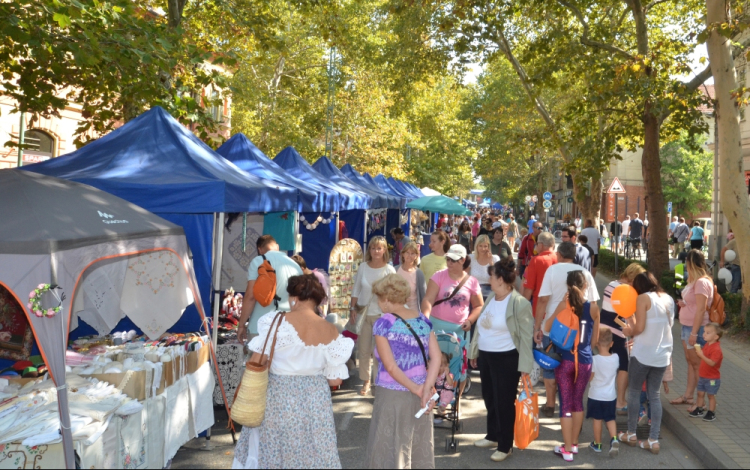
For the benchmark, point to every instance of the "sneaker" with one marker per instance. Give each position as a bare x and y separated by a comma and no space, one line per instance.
500,456
614,447
710,416
485,444
574,449
642,417
595,447
567,456
437,421
697,413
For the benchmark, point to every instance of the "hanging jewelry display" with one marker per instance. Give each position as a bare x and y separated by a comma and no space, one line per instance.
376,219
314,224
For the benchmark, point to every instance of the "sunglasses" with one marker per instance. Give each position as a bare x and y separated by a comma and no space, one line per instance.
451,260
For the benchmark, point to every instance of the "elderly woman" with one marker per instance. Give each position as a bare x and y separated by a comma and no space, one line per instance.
408,269
651,330
408,363
375,268
502,347
481,260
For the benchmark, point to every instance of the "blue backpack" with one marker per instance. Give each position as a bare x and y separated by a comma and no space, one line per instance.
564,331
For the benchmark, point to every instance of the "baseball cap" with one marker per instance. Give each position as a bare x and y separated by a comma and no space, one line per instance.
456,252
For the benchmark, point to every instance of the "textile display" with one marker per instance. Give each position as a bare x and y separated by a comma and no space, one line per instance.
280,225
98,299
154,419
92,456
318,243
132,442
35,457
235,260
201,385
111,445
16,337
230,358
177,416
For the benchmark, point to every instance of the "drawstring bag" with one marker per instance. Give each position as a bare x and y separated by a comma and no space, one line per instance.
264,289
565,333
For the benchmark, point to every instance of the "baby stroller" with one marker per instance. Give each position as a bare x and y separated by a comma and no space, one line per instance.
455,347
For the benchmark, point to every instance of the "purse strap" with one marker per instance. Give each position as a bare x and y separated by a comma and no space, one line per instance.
455,291
277,321
416,336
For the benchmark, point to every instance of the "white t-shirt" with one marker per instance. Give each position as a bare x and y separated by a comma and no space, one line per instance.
593,235
625,226
555,285
479,271
494,335
602,387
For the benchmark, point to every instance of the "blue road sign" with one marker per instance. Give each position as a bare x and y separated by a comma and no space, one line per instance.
532,203
547,196
669,207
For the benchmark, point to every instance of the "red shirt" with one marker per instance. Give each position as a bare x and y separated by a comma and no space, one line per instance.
713,352
534,274
527,249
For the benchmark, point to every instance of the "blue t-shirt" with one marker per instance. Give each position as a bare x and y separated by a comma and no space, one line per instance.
530,224
585,356
696,233
285,268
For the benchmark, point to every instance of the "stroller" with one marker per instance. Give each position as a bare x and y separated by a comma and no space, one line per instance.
455,347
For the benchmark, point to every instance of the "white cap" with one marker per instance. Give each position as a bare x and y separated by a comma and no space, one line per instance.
497,224
456,252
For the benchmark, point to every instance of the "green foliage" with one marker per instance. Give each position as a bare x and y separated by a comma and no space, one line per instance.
733,309
687,173
607,263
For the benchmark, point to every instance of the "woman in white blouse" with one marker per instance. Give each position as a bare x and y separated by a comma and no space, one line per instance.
481,259
298,430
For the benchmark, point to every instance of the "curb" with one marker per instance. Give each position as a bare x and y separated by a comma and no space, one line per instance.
707,451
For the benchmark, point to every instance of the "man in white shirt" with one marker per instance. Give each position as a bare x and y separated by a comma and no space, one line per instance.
577,224
553,290
626,226
594,239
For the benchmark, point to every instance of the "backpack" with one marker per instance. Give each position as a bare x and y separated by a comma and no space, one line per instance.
565,333
264,289
716,313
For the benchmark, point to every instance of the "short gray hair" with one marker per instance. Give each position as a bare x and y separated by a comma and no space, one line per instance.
546,239
567,250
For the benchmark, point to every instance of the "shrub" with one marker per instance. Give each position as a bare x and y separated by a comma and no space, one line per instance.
607,262
733,309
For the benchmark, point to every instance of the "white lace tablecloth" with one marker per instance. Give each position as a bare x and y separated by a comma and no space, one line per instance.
231,361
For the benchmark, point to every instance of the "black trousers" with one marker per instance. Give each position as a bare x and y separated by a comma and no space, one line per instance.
500,376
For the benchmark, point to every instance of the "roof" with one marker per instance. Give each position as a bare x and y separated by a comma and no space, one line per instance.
711,92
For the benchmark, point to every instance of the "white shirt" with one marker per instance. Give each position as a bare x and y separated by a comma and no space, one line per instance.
362,290
653,347
555,285
602,387
494,335
625,226
479,271
593,235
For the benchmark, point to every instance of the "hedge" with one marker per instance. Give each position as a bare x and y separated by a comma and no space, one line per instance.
607,262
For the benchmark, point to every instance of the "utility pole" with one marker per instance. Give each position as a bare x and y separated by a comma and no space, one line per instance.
21,138
331,102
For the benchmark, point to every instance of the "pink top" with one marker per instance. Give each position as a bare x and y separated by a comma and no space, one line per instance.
458,308
475,229
688,312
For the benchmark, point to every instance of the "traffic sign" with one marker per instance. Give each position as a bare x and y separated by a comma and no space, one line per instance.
570,199
616,187
534,198
547,196
669,207
531,204
527,198
547,204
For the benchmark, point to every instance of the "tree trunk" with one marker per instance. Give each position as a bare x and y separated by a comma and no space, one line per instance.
732,190
174,12
589,201
658,249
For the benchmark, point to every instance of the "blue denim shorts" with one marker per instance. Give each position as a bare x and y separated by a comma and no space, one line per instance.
687,331
709,386
547,374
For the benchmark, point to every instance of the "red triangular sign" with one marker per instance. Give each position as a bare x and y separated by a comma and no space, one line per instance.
616,187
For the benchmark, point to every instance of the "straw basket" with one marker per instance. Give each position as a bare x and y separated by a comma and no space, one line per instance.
249,406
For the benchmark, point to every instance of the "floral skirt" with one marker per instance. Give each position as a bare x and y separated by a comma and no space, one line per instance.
298,430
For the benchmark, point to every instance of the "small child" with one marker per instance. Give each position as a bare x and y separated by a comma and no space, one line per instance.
602,403
444,384
709,377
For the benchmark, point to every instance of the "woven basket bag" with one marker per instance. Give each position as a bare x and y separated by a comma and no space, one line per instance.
249,406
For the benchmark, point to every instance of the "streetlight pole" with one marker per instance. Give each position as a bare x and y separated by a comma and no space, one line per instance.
21,138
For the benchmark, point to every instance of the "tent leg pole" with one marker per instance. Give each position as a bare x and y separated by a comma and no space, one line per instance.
365,237
338,225
219,252
296,232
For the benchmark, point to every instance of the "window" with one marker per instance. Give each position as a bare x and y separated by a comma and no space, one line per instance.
740,66
40,146
216,108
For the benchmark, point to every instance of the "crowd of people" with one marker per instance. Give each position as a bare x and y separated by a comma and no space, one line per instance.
468,287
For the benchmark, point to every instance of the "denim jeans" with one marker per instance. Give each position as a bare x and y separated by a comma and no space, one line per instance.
637,374
736,278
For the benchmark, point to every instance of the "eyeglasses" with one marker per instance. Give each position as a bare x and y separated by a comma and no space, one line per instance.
451,260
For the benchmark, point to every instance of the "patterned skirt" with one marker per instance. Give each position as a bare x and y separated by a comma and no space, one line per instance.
298,430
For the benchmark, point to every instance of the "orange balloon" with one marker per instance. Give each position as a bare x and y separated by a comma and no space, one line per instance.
623,300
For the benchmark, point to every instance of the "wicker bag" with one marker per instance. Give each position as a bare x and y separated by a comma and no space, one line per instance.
249,406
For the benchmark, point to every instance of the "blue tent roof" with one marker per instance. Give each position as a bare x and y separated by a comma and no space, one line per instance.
349,199
394,202
387,187
416,190
155,162
240,151
403,188
325,167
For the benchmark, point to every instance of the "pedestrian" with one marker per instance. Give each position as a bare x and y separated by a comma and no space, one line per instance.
615,234
530,223
650,356
454,299
635,233
523,233
481,260
626,228
298,430
498,246
464,236
583,256
681,234
573,374
322,278
538,266
594,242
435,261
670,233
502,349
476,226
710,375
697,297
528,249
733,266
486,226
696,236
397,233
374,268
602,399
285,268
408,269
577,224
409,359
552,292
619,347
512,231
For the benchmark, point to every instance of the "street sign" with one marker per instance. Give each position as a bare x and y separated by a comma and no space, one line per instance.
531,204
616,187
527,198
570,199
546,210
547,204
534,198
547,196
669,207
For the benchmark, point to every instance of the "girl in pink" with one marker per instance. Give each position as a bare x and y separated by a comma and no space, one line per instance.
444,384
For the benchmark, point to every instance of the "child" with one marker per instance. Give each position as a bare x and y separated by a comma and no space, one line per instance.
709,379
602,403
444,384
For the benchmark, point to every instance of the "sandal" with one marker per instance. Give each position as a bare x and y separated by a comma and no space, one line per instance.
682,401
627,438
365,389
650,445
622,411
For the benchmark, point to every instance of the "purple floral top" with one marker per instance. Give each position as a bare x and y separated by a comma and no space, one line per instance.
405,349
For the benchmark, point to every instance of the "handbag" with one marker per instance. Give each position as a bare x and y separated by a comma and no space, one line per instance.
356,325
249,406
526,429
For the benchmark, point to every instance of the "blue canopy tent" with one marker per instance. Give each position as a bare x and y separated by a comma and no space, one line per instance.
155,162
317,243
404,188
393,217
394,202
409,195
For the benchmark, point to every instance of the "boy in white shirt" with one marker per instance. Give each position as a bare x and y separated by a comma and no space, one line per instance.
602,403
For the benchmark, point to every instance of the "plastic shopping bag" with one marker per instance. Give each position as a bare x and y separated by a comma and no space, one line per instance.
527,416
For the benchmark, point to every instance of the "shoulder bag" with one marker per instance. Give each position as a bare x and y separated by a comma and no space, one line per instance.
249,406
455,291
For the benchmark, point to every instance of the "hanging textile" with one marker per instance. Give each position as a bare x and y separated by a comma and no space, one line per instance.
280,225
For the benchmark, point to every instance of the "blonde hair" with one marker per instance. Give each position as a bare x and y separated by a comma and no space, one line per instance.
379,240
410,246
392,288
481,239
695,265
605,336
632,271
